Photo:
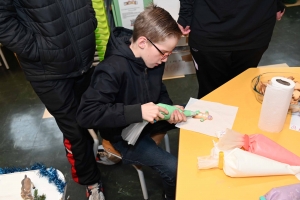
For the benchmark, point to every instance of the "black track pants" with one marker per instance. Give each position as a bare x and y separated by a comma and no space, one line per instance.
62,98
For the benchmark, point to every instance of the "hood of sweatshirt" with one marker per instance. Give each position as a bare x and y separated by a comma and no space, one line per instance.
118,44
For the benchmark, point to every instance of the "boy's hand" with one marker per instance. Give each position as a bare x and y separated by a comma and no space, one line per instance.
177,116
180,107
151,112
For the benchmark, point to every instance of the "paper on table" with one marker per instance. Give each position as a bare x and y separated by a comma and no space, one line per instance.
295,121
223,117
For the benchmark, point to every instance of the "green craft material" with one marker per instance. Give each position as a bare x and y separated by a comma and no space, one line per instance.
102,31
171,109
37,196
204,116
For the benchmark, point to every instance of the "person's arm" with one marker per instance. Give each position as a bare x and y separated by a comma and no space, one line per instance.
98,108
280,9
92,13
14,35
280,6
185,15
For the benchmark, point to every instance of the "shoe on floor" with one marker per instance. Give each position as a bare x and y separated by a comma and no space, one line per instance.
106,158
95,192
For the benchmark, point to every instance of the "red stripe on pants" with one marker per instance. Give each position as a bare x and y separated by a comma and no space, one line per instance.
71,160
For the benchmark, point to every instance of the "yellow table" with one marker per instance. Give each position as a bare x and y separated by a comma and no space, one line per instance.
213,184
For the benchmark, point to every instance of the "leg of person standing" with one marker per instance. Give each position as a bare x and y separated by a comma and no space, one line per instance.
62,98
242,60
214,68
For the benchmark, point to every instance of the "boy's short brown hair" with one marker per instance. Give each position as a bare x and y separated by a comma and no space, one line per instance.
156,24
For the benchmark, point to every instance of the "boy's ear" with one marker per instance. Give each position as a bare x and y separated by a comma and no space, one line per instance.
141,42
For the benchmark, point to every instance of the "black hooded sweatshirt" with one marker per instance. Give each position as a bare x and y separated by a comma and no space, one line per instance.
120,84
229,25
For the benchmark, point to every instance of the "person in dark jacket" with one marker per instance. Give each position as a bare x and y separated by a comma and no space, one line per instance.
227,37
55,44
126,87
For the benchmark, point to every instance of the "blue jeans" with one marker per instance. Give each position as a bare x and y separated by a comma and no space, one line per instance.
145,152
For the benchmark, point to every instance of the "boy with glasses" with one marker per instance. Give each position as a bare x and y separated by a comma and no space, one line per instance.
126,87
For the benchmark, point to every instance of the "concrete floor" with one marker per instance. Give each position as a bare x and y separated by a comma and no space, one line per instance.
26,138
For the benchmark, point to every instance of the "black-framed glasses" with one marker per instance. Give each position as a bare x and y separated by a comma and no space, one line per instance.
164,55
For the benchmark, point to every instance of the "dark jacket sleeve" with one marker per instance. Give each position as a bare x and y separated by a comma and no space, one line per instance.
14,35
280,6
92,13
98,108
185,13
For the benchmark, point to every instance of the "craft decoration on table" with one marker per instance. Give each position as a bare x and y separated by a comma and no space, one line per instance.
203,116
288,192
257,144
49,173
171,109
223,117
240,163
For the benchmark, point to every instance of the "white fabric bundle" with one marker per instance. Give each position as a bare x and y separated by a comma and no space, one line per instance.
211,161
132,132
240,163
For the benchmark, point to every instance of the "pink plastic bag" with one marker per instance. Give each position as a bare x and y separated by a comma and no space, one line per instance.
261,145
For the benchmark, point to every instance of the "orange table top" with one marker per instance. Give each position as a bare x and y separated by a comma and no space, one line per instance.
213,184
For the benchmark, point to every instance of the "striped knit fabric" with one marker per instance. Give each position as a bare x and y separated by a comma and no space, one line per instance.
102,31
